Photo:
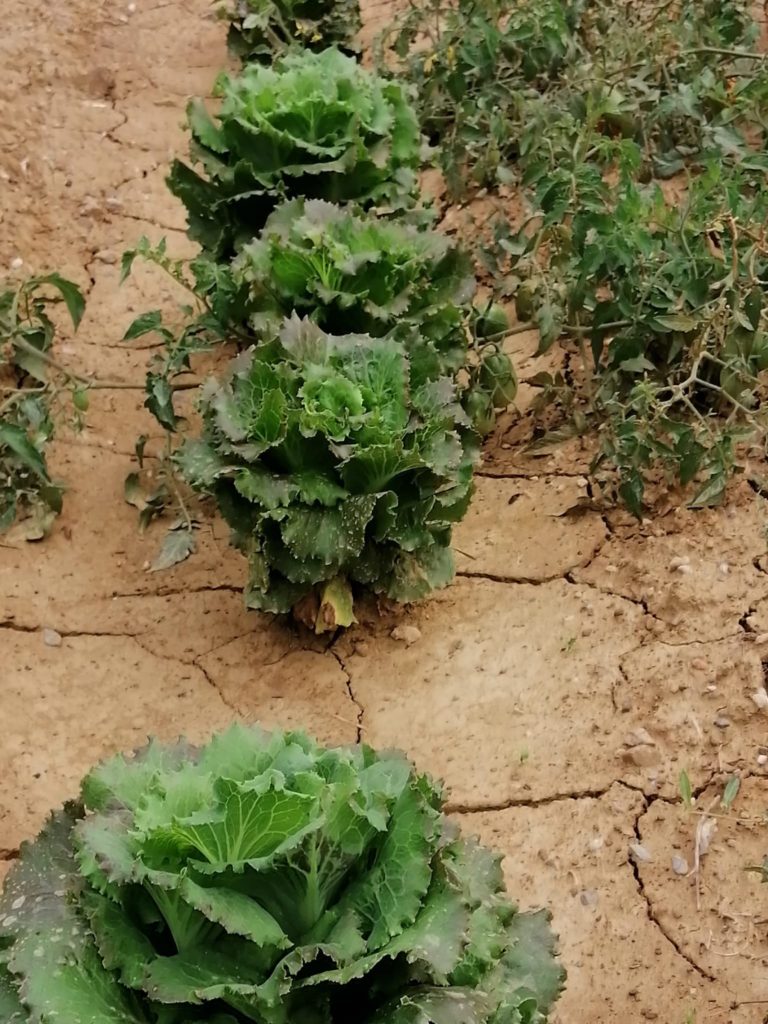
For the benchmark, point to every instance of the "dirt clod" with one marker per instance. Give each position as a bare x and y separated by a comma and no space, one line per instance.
406,634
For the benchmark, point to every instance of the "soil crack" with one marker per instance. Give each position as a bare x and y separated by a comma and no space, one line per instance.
350,691
649,909
214,685
17,627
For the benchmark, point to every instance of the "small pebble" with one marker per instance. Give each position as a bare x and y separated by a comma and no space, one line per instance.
684,570
678,562
588,897
639,852
679,865
51,638
722,721
699,664
596,843
760,699
762,759
406,634
723,568
17,263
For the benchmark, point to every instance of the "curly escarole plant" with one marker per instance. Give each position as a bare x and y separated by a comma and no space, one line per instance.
263,878
332,467
352,273
313,125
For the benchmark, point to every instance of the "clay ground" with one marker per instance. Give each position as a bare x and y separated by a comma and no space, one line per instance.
576,666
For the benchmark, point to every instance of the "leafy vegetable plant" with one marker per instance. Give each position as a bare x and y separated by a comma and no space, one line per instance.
31,387
260,29
334,466
351,273
314,125
263,878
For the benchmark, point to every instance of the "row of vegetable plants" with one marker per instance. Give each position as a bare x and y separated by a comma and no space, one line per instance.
340,443
261,877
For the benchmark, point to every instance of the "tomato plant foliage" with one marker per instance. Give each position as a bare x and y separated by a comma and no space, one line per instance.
655,290
260,29
31,390
264,878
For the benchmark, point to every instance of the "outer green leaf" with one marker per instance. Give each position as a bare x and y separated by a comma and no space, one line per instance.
530,965
122,782
200,464
334,535
435,940
416,574
52,954
435,1006
11,1009
264,488
391,894
122,946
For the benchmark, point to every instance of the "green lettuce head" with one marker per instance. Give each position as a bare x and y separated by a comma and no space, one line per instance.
313,125
333,467
264,878
352,273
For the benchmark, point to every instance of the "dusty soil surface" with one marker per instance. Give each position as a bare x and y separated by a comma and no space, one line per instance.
576,667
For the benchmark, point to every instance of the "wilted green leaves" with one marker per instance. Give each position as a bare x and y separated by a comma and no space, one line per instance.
660,295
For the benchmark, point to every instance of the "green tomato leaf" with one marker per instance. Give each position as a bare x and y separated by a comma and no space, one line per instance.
15,438
73,297
146,323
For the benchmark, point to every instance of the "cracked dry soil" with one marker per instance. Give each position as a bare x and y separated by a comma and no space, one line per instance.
559,686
